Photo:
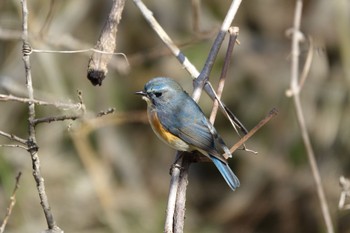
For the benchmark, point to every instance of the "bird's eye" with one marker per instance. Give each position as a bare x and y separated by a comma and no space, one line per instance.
157,94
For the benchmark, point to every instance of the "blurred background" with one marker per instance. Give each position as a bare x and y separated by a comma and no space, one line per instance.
111,174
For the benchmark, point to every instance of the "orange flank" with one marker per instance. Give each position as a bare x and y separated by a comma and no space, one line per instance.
160,130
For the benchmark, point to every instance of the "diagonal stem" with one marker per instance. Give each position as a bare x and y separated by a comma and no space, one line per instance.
295,89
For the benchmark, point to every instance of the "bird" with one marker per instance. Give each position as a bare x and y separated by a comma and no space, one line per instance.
179,122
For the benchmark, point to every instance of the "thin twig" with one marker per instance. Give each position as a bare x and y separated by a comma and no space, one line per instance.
307,64
13,137
204,75
14,146
148,15
106,112
271,114
79,51
32,145
295,89
70,117
55,118
40,102
233,32
12,203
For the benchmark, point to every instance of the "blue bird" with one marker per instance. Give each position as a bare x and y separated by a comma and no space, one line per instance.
179,122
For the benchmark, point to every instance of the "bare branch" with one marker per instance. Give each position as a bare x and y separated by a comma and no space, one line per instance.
204,75
40,102
180,207
232,41
295,91
32,145
106,112
70,117
12,204
14,146
97,68
148,15
271,114
307,65
13,137
55,118
172,197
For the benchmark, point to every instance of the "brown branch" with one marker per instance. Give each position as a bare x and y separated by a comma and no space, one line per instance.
271,114
12,204
97,68
232,41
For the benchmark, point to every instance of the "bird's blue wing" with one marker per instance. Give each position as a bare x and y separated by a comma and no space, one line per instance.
188,122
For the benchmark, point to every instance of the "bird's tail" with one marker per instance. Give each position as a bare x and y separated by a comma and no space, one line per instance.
226,172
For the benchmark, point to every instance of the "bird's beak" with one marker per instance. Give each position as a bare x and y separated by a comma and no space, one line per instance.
144,95
141,93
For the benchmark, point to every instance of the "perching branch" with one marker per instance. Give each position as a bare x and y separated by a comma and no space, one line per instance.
295,88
